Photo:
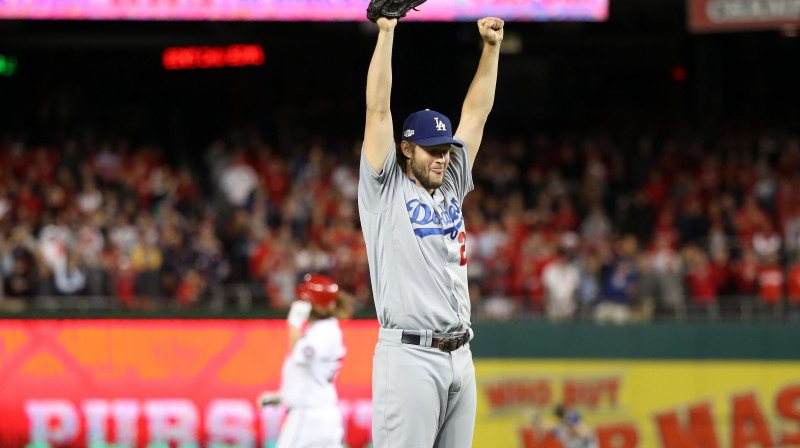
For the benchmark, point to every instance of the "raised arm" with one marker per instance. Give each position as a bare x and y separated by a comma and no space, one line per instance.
480,96
378,133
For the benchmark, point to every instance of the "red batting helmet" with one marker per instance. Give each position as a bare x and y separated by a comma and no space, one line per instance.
319,290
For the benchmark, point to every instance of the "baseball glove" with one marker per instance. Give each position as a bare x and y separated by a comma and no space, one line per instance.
391,9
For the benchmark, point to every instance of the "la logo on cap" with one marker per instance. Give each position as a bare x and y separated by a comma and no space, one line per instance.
428,128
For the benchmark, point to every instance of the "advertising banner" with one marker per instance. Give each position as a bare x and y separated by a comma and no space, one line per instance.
159,383
295,10
742,15
649,404
193,383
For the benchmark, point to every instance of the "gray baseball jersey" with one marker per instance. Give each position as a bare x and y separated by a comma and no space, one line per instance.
416,245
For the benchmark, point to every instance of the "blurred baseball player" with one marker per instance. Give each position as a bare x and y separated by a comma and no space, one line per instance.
314,360
572,431
409,200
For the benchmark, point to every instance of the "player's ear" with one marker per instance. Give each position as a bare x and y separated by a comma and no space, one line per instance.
407,148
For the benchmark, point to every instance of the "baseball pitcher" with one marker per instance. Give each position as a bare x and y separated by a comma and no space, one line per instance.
409,199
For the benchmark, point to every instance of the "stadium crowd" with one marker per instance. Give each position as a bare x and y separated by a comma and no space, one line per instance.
578,224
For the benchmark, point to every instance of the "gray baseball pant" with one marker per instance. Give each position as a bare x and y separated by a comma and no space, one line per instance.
422,396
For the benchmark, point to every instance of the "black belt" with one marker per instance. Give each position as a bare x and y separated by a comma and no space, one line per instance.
443,344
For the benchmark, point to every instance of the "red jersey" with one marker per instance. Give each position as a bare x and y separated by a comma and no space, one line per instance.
793,284
770,284
702,284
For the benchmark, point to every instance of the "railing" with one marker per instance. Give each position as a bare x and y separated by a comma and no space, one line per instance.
246,300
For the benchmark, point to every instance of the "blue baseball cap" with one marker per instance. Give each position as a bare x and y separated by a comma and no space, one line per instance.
429,128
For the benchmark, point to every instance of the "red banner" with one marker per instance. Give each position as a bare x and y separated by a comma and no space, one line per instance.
145,383
742,15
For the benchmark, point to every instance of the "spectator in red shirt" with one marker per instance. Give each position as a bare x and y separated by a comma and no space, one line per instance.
665,226
749,218
793,290
28,201
656,189
702,283
535,252
723,276
190,289
565,217
745,279
771,279
187,193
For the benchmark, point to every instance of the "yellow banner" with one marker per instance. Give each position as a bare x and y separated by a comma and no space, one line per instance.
648,404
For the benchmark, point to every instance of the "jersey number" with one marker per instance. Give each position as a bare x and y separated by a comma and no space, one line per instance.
462,238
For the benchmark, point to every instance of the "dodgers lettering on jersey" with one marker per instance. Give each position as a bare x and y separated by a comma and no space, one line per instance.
416,245
421,217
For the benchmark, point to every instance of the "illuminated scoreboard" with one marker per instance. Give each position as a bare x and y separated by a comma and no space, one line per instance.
180,58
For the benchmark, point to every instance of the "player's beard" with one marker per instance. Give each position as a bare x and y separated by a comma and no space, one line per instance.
423,174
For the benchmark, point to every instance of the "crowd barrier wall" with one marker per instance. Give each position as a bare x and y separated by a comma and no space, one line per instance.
193,382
